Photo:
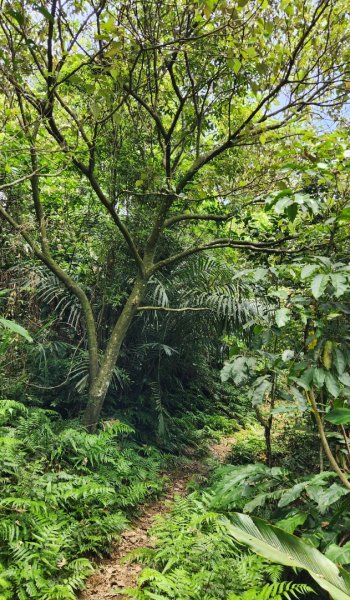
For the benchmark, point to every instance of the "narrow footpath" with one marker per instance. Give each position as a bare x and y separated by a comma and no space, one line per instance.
116,572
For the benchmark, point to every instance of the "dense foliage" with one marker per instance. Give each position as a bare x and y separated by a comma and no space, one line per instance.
174,250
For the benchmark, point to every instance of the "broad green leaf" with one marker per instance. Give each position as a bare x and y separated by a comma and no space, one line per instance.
292,211
307,271
332,385
306,378
290,524
339,360
339,283
299,397
284,548
292,494
282,316
257,502
338,416
282,204
344,378
327,497
17,16
258,391
339,554
237,370
319,284
319,377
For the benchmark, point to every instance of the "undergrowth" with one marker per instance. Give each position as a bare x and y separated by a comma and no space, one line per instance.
65,495
195,559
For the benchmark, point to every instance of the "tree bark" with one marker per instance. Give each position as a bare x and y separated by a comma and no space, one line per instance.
267,431
100,384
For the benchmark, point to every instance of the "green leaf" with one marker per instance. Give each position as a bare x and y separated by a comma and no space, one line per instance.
44,12
331,495
319,377
339,360
258,391
332,385
290,524
257,502
344,215
238,369
282,316
292,494
319,284
292,211
307,271
339,554
306,378
282,204
339,283
284,548
17,16
236,65
344,378
299,397
338,416
15,328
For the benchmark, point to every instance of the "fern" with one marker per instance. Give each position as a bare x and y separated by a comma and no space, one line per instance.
65,494
195,559
275,591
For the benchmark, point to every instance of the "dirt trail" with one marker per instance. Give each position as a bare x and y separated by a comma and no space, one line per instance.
114,572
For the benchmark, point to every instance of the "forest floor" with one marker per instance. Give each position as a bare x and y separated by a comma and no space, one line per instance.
117,572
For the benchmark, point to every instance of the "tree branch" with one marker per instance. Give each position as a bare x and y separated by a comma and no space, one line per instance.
191,217
204,159
226,243
68,282
6,186
168,309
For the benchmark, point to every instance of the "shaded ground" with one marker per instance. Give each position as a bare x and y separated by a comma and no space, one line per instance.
115,572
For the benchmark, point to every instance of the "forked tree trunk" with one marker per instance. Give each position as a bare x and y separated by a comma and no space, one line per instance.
100,384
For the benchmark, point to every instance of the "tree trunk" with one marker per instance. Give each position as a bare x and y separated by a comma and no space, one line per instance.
267,428
100,384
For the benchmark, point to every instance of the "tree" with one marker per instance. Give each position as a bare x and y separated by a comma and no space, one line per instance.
151,103
300,354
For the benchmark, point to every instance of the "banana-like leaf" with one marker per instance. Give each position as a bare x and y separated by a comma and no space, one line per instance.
286,549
